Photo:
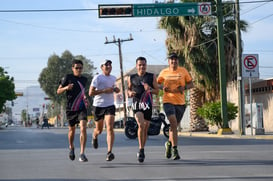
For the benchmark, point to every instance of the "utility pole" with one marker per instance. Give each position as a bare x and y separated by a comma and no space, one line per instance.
118,42
222,68
240,80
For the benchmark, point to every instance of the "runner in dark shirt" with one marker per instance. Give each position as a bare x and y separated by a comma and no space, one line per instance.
75,101
76,112
141,86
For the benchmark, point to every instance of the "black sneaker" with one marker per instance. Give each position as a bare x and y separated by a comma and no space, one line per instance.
140,156
83,158
175,154
168,151
110,156
95,143
71,154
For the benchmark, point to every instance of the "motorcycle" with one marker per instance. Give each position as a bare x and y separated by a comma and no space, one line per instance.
156,122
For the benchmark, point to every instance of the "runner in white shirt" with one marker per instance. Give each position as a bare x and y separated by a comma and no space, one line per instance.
102,88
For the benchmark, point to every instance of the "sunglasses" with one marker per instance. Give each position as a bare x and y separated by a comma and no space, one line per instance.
78,68
108,64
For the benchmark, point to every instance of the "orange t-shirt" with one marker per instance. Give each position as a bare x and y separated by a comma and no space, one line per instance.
172,80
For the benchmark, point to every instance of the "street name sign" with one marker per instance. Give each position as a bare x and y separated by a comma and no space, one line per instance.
154,10
250,65
171,9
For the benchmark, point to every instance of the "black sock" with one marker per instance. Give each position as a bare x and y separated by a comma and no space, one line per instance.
141,150
109,152
174,147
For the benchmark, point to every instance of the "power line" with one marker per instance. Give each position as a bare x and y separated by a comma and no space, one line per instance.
95,9
73,30
44,10
249,10
262,19
254,2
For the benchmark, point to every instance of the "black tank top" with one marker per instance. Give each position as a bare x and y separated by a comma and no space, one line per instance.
137,83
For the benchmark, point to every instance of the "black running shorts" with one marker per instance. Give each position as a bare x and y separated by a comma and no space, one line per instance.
100,112
177,110
74,117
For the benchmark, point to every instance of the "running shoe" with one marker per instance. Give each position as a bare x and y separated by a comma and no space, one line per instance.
110,156
71,154
175,154
95,143
83,158
140,156
168,151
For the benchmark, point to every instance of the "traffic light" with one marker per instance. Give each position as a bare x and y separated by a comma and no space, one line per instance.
111,11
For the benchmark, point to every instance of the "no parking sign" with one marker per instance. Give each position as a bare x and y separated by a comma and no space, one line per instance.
250,65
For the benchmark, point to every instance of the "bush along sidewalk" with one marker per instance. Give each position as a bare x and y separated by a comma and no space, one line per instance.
211,113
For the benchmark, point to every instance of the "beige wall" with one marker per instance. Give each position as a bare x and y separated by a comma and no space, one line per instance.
232,96
265,98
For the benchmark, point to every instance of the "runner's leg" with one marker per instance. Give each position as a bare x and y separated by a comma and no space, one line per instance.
141,129
83,135
109,121
71,134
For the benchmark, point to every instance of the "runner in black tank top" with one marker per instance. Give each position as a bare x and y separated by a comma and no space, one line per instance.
141,86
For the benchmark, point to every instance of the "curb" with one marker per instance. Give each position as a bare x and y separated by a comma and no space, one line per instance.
210,135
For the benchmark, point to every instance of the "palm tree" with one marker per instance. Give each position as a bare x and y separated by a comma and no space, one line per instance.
194,39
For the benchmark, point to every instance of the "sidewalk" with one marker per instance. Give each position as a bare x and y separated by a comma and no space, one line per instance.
267,136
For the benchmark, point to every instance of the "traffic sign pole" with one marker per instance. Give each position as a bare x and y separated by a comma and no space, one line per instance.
222,70
250,101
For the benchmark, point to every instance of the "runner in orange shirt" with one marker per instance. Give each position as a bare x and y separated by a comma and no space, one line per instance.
175,80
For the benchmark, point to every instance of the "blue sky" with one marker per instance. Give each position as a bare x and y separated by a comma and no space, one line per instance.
28,39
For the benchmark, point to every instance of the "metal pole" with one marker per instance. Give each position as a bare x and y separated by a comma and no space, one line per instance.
250,101
122,81
118,42
222,64
240,79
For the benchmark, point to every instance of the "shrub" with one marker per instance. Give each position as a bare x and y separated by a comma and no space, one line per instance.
211,112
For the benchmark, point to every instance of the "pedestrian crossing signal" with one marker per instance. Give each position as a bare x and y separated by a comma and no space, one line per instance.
113,11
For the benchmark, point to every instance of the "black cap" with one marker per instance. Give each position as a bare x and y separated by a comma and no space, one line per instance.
172,55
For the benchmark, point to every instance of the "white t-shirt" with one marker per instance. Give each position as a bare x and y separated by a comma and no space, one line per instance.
102,82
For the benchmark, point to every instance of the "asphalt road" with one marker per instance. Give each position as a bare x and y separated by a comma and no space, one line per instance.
35,154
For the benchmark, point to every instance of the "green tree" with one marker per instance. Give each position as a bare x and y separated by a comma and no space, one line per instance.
57,68
7,88
194,39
